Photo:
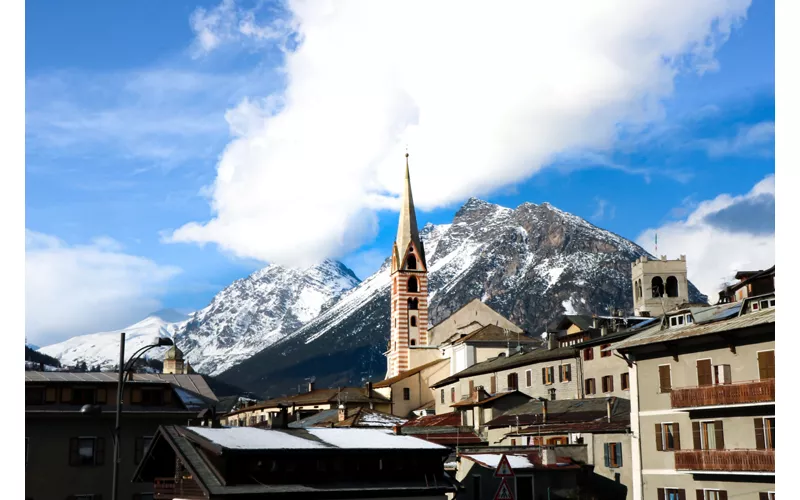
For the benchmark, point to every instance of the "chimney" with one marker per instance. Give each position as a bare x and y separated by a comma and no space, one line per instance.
552,342
310,385
544,410
595,321
548,456
342,413
603,331
281,420
397,429
479,394
608,408
369,389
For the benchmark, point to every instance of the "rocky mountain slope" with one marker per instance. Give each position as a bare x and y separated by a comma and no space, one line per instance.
531,264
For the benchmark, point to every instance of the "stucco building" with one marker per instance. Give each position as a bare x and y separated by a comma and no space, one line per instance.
658,285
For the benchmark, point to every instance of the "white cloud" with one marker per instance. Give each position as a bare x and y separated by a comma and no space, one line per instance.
757,139
484,98
714,250
71,290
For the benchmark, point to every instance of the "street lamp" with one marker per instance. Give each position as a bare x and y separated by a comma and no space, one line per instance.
124,368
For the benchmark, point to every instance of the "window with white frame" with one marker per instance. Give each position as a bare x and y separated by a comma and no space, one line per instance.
671,494
715,495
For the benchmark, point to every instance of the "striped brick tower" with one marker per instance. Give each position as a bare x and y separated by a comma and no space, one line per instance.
409,288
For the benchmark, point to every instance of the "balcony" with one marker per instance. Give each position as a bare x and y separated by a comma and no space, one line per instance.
166,488
759,391
725,460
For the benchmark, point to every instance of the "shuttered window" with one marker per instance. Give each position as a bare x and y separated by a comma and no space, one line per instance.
528,378
624,381
664,378
604,354
712,495
564,373
613,455
765,433
406,394
588,354
589,386
86,451
608,383
766,364
704,372
671,494
452,394
668,436
493,384
513,383
442,396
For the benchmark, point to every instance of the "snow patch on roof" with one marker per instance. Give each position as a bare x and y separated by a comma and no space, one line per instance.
492,460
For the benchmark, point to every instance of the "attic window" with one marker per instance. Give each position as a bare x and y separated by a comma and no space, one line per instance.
411,261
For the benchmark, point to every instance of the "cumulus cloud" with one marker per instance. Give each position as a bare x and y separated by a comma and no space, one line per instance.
484,98
722,236
77,289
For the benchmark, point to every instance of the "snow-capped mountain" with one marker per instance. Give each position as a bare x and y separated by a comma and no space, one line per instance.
531,264
257,311
103,348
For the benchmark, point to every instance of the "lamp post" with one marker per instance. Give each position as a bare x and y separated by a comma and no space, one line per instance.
124,368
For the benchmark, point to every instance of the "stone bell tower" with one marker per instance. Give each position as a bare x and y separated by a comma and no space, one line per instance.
409,278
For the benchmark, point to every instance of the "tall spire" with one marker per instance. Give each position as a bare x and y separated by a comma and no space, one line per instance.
407,226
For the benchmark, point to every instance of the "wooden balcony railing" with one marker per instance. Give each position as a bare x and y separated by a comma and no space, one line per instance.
725,460
759,391
165,488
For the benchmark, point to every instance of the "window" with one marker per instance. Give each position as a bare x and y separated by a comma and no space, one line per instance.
83,396
672,286
588,354
557,440
552,394
406,394
704,372
263,418
657,287
442,396
452,394
613,455
413,286
252,420
708,435
765,433
548,375
671,494
86,451
142,443
624,382
604,354
589,386
766,364
564,373
528,378
413,305
689,319
411,261
34,395
413,342
673,321
766,495
722,374
712,495
512,381
668,437
608,383
664,378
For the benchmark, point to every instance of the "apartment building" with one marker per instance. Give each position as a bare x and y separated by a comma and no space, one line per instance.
703,403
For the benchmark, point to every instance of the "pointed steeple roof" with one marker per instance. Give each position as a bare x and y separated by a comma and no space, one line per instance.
407,226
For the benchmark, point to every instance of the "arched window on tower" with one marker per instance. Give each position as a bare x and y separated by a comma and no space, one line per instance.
411,261
413,286
413,321
657,285
672,286
635,291
413,304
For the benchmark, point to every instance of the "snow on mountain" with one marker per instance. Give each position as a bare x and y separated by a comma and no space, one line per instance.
257,311
103,348
531,264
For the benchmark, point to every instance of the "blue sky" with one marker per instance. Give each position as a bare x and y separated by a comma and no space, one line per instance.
126,107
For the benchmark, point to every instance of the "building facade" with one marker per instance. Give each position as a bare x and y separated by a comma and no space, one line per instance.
703,406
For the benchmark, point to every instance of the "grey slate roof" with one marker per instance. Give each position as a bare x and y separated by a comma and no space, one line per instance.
194,383
505,362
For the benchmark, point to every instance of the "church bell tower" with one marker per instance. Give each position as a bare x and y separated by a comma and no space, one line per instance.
409,277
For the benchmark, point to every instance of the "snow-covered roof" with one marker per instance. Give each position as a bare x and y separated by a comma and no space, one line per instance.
493,459
252,438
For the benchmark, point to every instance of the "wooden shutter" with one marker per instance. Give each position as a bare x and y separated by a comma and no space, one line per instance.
700,494
698,445
664,377
528,378
136,395
723,495
50,395
681,494
101,396
99,451
560,373
763,495
610,383
766,364
759,425
607,454
618,454
704,372
493,384
66,394
676,435
568,373
659,439
660,493
719,435
544,376
74,458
